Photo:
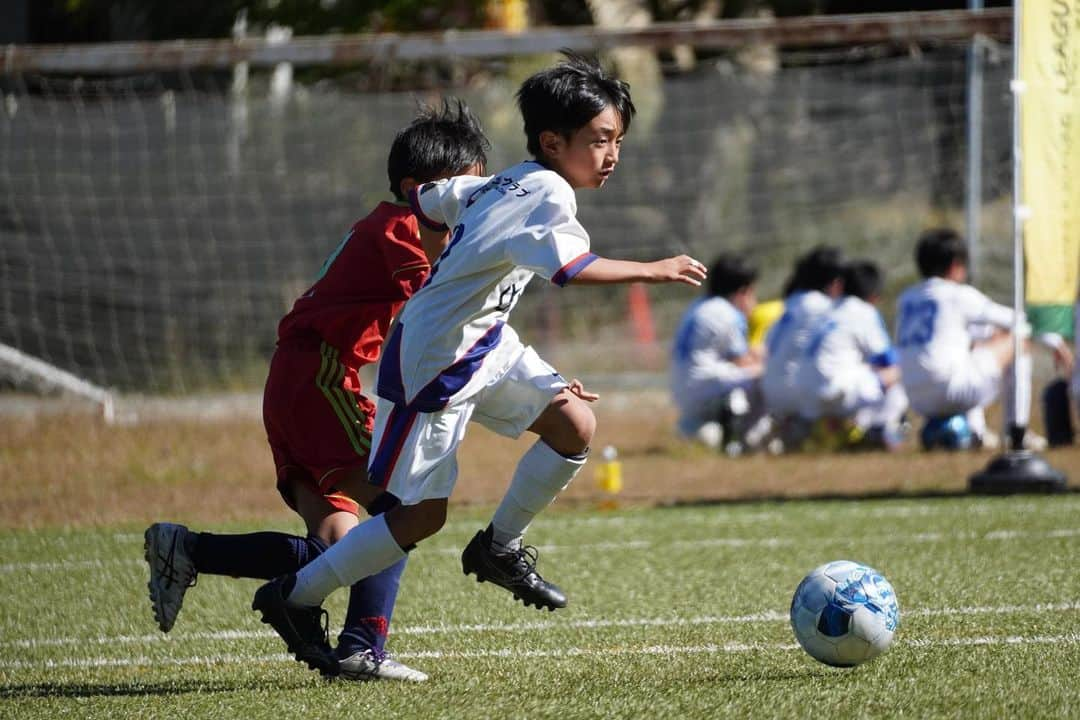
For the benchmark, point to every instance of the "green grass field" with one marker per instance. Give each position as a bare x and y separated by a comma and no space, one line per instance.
678,612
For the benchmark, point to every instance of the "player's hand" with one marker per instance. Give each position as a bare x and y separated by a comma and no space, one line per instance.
578,389
681,268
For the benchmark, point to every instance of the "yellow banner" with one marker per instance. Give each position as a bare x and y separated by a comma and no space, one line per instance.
1050,140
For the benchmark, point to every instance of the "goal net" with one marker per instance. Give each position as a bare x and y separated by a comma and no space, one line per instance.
155,225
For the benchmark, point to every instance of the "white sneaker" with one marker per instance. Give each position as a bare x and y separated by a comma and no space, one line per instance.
710,435
988,440
368,665
1034,442
172,570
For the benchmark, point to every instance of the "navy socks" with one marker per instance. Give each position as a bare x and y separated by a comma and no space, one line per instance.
267,555
371,605
261,555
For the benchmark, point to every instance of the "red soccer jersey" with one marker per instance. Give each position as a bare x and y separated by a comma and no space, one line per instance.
361,286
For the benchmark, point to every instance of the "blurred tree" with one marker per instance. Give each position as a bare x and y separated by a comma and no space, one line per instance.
68,21
344,16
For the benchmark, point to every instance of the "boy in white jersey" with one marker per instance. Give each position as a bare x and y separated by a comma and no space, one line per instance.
946,370
453,358
810,293
714,372
849,369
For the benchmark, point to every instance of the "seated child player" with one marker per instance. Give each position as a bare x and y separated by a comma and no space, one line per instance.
714,372
318,421
849,371
950,376
810,293
453,357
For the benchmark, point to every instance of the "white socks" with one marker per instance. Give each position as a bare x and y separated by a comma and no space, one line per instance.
887,412
541,475
365,550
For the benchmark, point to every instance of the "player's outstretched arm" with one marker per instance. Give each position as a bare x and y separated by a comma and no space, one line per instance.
681,268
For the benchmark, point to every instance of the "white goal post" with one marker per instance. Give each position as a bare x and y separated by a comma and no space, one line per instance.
21,367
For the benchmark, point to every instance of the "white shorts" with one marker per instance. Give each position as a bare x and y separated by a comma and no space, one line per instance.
849,392
414,454
781,397
976,383
703,402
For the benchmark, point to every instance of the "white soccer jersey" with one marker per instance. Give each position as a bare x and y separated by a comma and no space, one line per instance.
787,342
452,338
846,343
710,337
850,334
934,328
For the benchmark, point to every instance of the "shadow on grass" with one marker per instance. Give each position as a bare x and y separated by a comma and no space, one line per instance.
89,690
852,495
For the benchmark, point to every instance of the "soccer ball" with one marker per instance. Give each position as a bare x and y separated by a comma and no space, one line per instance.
844,613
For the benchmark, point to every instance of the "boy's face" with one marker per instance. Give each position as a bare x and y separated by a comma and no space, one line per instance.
958,271
745,299
588,157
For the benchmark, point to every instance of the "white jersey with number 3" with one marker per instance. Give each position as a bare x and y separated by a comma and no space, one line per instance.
452,338
934,325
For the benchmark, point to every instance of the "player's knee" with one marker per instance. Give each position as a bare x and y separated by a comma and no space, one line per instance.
586,428
409,524
567,425
575,433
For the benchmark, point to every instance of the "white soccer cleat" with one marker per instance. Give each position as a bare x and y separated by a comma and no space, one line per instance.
371,665
172,570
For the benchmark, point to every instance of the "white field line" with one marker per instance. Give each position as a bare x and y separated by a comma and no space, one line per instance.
723,516
768,543
515,653
583,624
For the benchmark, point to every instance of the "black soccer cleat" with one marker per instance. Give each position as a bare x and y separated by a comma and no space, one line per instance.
304,629
515,571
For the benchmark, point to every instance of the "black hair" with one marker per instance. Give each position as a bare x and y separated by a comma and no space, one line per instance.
729,274
863,279
937,250
566,97
816,270
440,141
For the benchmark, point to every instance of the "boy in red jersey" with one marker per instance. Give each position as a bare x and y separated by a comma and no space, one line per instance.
317,419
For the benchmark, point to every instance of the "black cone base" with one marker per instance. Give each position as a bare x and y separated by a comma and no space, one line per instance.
1017,471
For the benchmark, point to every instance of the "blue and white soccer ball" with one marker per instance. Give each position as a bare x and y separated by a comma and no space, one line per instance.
844,613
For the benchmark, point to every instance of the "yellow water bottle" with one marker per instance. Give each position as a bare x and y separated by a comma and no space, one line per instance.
609,476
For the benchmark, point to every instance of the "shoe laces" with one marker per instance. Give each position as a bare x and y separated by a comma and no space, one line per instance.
316,623
376,655
171,574
525,559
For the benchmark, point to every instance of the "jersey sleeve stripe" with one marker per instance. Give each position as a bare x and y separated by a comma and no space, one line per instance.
572,268
414,203
418,265
885,359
